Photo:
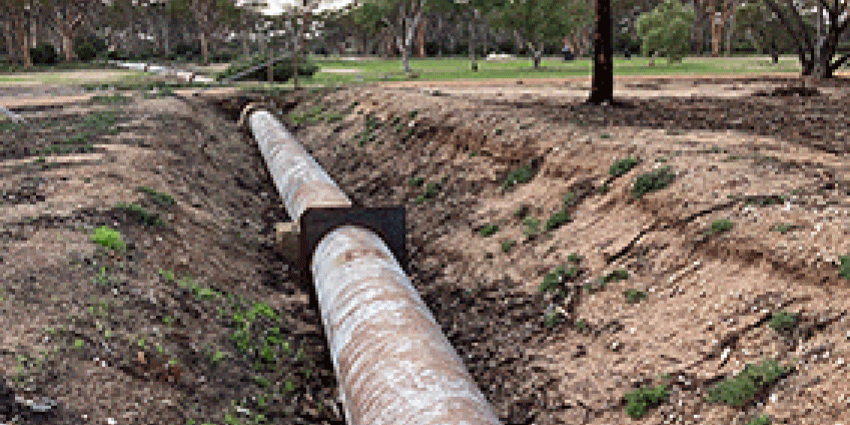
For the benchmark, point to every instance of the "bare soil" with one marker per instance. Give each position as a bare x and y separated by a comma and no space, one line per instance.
83,322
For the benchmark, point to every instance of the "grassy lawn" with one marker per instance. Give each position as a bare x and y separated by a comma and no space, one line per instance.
68,77
456,68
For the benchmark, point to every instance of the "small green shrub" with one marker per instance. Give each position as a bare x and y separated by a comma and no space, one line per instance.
619,274
782,228
741,389
652,181
720,226
761,420
557,220
109,238
160,198
522,211
574,258
570,199
633,296
521,175
643,399
556,277
140,214
782,321
622,166
507,245
416,181
431,190
532,226
844,266
488,230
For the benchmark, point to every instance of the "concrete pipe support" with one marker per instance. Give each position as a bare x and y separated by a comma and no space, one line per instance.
393,363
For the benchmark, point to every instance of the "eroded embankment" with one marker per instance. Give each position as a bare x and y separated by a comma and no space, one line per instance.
680,275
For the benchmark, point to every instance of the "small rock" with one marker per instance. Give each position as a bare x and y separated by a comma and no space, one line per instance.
111,421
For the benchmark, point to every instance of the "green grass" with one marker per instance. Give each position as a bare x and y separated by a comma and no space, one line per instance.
844,266
521,175
109,238
782,228
622,166
761,420
556,277
557,220
782,321
616,275
652,181
488,230
633,296
531,226
431,69
160,198
508,245
139,213
720,226
741,389
641,400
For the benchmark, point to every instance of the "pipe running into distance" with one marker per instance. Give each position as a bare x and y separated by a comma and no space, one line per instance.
393,363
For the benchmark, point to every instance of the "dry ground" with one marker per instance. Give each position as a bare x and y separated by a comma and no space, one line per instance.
201,318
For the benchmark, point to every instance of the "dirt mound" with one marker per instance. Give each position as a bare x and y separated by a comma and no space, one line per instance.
729,267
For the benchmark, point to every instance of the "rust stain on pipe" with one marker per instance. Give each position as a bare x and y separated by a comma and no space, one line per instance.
393,363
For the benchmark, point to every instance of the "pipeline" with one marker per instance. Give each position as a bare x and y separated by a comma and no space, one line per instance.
162,70
393,363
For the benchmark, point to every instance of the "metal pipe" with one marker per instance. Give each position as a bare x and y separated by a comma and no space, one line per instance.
392,361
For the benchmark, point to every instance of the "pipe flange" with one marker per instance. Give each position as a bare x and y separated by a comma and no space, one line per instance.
246,113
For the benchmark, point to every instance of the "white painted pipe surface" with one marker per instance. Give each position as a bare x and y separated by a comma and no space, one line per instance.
393,363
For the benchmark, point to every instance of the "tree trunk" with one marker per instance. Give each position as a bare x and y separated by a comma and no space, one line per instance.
602,89
8,31
471,46
21,30
205,49
420,38
67,45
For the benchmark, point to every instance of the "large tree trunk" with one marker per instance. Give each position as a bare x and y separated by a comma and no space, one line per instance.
471,46
67,44
602,89
420,38
8,32
205,48
21,32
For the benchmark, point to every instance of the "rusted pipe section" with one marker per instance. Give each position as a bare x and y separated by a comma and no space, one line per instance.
393,363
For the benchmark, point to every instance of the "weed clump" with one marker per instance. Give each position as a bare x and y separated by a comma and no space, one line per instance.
782,321
532,226
761,420
556,277
633,296
845,266
521,175
522,211
742,389
488,230
557,220
782,228
109,238
655,180
720,226
641,400
140,214
160,198
622,166
416,181
507,245
619,274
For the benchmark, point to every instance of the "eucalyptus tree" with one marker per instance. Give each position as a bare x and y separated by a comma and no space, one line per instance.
815,42
538,22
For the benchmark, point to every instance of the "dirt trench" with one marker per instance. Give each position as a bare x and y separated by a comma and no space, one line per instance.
664,296
736,262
